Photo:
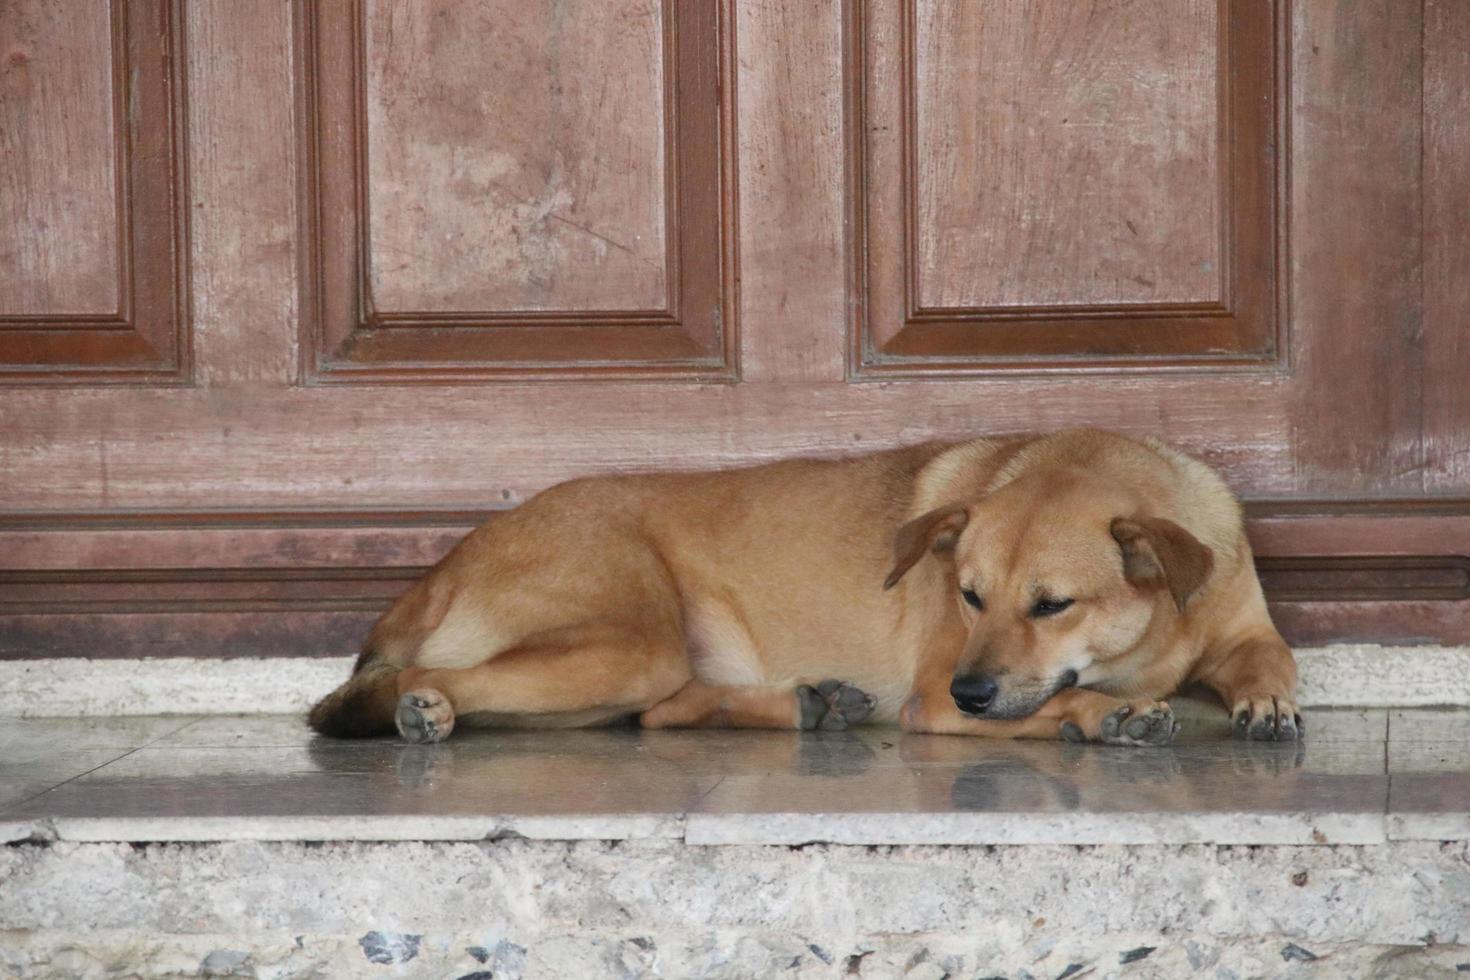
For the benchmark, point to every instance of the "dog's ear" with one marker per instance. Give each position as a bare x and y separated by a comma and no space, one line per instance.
1158,552
935,531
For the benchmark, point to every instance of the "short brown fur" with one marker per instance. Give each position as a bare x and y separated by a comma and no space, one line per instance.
1110,571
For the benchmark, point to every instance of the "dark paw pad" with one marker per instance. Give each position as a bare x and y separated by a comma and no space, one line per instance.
813,707
1145,726
424,716
1263,728
833,705
1267,720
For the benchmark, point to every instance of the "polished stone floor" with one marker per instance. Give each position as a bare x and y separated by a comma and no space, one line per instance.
1362,776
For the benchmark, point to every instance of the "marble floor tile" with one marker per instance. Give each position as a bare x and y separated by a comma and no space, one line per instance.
248,730
1429,740
19,735
482,775
1333,725
1429,806
1135,793
1361,774
1430,725
55,763
1428,757
39,754
18,789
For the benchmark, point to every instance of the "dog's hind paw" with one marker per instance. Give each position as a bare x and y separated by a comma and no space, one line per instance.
1140,723
833,705
424,715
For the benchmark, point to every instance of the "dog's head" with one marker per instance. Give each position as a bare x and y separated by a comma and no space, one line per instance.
1058,578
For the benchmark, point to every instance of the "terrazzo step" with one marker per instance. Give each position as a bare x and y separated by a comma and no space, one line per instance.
218,845
664,908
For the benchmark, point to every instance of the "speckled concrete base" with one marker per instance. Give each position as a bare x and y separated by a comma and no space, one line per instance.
514,908
1343,675
719,954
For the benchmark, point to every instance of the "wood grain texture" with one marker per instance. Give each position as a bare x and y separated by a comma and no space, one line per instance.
1067,153
94,255
792,195
1388,571
955,277
542,289
203,541
1357,245
1446,177
213,583
244,255
59,235
437,446
1367,578
515,155
128,591
178,632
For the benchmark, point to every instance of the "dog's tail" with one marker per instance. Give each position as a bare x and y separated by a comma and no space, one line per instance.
364,705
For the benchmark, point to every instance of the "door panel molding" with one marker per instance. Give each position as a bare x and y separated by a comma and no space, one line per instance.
893,334
348,338
145,338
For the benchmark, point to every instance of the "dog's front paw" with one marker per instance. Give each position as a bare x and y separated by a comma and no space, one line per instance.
1135,723
424,715
1263,718
833,705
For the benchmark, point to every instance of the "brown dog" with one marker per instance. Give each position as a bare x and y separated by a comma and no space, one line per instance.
1077,578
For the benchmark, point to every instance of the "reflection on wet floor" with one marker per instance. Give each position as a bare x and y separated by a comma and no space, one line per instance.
1356,762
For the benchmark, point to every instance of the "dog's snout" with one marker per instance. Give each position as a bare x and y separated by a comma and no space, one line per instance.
973,694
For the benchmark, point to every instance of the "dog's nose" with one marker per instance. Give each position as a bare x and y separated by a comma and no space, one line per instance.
972,694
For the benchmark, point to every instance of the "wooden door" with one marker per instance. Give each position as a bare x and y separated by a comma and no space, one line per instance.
292,293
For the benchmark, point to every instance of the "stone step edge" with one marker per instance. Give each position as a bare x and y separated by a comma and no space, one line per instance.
1082,829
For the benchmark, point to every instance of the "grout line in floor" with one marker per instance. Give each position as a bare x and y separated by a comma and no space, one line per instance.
1387,738
1387,771
705,795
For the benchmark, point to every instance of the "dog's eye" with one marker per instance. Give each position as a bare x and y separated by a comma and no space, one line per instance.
972,598
1049,607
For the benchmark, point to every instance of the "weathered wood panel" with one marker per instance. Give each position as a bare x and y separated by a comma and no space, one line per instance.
495,190
1049,186
242,179
1446,207
792,192
441,446
1388,572
515,155
59,207
93,222
1357,245
1067,153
